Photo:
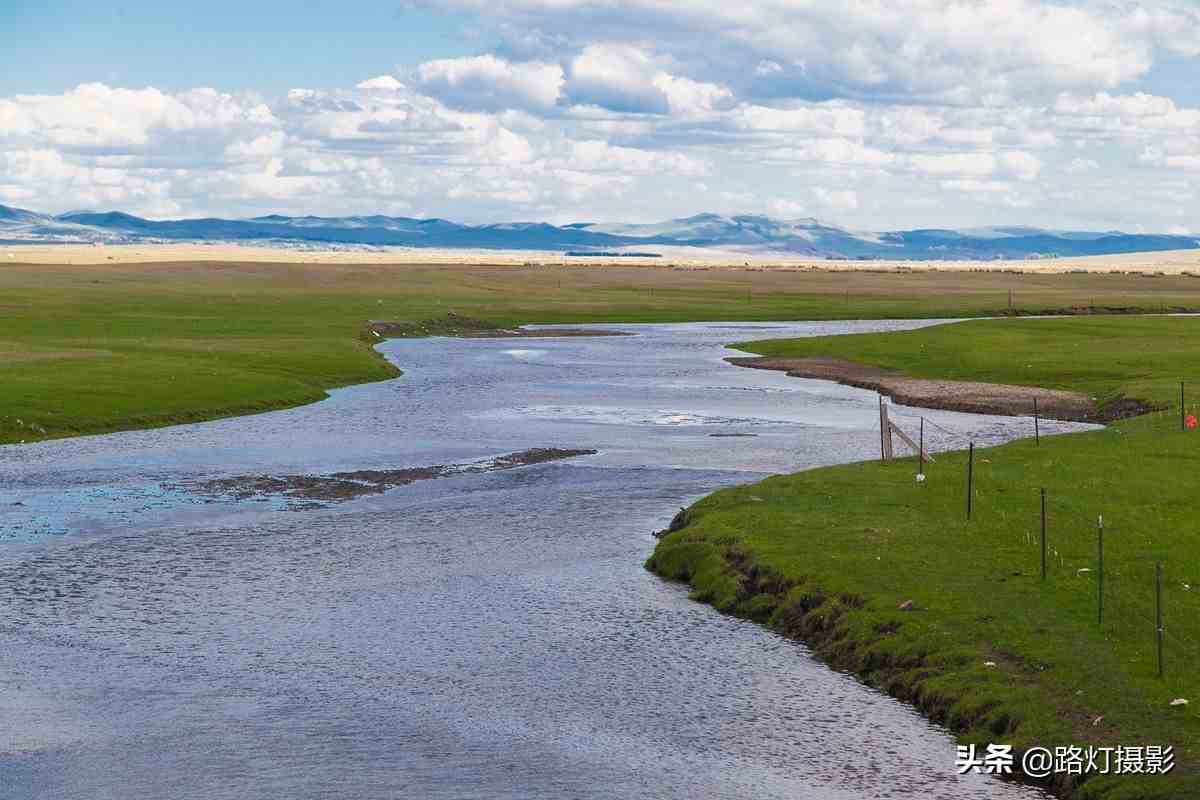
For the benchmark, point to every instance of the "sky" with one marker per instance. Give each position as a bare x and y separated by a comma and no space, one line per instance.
871,114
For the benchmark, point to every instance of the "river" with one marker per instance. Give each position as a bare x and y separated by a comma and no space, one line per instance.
484,634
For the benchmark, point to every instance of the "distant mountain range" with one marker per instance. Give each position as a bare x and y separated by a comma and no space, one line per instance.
744,234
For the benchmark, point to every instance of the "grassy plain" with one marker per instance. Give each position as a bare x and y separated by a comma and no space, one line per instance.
89,348
827,555
989,647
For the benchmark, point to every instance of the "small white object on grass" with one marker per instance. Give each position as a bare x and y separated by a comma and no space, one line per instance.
989,663
920,477
1179,701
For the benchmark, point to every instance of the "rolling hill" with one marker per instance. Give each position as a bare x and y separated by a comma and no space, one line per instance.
749,234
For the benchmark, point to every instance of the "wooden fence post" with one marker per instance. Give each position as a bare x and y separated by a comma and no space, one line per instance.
885,431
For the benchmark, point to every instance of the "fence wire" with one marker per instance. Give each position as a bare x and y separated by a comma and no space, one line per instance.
1129,584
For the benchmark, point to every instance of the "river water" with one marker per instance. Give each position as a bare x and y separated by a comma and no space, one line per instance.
490,634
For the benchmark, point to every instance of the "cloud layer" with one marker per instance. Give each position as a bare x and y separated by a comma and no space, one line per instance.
873,113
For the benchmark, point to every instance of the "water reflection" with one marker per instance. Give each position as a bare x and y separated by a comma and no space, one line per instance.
486,634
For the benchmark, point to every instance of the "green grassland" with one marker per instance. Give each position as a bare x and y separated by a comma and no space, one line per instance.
989,647
89,349
826,555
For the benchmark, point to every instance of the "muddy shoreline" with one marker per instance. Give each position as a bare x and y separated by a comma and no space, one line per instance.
966,396
339,487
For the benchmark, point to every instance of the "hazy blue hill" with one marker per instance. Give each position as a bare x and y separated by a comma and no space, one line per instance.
10,214
21,225
933,244
745,233
108,219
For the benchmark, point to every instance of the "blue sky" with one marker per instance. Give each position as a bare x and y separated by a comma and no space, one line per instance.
269,45
873,114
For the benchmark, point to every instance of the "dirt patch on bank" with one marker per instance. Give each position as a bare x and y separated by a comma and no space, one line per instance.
970,396
341,486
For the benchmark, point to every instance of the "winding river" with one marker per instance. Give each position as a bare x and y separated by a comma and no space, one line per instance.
485,633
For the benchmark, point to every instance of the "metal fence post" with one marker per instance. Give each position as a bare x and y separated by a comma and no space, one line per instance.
970,478
1158,614
921,446
1100,570
1037,433
1043,534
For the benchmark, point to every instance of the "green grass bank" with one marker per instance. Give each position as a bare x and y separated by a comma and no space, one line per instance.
988,647
97,348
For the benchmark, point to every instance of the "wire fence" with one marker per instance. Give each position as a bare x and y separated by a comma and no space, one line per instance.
1112,568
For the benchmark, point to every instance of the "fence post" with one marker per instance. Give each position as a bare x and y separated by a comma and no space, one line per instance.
970,478
1100,570
1158,614
921,447
1037,433
1043,534
883,424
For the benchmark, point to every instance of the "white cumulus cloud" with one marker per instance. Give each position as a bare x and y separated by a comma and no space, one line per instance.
489,83
872,112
